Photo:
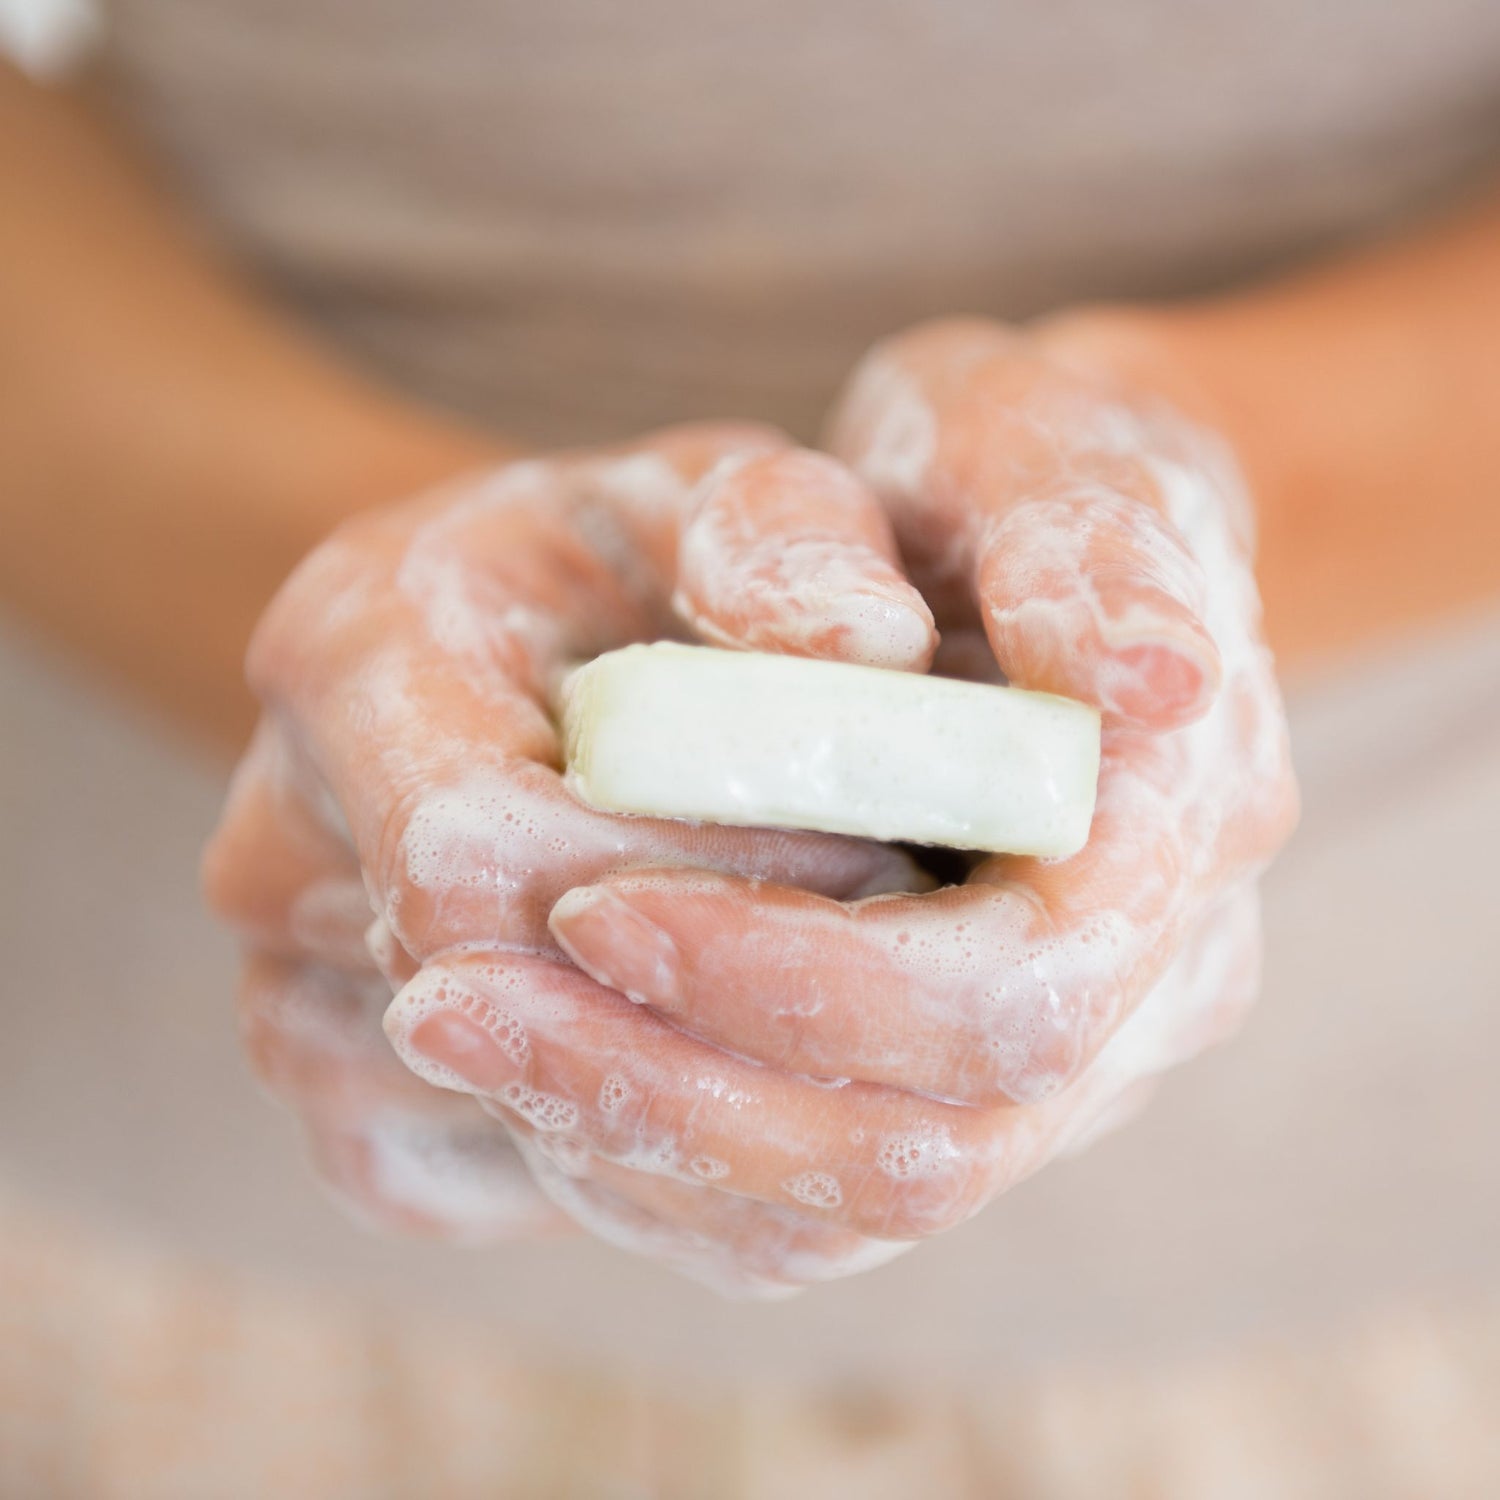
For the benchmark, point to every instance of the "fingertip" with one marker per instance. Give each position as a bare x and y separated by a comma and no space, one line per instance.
615,944
1096,598
879,622
458,1046
882,622
1167,683
789,552
1163,674
572,907
449,1035
892,628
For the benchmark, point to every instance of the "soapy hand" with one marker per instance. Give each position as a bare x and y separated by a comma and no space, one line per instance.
402,808
813,1080
1068,529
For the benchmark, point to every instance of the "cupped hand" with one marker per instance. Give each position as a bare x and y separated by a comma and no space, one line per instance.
1073,533
401,810
808,1075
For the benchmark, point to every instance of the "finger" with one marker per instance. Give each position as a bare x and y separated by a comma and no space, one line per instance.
608,1088
412,1176
413,665
789,552
395,963
280,867
1000,989
968,993
958,425
736,1245
779,1243
619,1221
1199,1001
401,1153
580,1063
1091,594
313,1038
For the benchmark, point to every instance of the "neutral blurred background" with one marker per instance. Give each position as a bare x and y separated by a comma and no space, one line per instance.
1292,1254
1284,1279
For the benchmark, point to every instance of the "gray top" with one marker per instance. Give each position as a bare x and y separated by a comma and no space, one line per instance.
580,218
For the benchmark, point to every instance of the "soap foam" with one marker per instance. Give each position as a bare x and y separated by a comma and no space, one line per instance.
468,1179
815,1189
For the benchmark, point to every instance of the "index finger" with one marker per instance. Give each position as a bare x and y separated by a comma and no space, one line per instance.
410,659
1079,524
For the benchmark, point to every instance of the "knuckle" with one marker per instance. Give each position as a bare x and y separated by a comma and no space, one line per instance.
390,869
457,858
260,1041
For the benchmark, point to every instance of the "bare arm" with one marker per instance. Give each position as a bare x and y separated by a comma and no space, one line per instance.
170,445
1363,396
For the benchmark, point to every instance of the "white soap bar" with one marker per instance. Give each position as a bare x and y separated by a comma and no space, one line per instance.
786,742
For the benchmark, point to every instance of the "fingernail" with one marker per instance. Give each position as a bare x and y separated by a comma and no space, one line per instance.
613,943
453,1038
1169,682
467,1049
879,630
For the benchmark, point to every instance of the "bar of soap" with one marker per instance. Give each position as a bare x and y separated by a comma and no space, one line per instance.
769,741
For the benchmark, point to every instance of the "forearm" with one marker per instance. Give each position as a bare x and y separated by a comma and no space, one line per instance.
1362,396
170,446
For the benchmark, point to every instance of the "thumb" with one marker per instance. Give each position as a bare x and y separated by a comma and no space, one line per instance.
789,552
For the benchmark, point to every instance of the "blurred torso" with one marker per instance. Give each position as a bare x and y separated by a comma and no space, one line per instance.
576,219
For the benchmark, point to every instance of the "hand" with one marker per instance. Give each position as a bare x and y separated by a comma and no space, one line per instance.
759,1177
400,818
1067,528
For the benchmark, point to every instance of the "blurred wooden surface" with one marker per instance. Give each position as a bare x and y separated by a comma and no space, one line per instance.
134,1376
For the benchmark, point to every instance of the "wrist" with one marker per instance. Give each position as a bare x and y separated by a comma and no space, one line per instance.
1227,366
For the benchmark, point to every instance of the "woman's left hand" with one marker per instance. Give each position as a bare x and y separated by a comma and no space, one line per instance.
1069,529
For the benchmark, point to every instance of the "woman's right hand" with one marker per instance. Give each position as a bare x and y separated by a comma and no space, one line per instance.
402,803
